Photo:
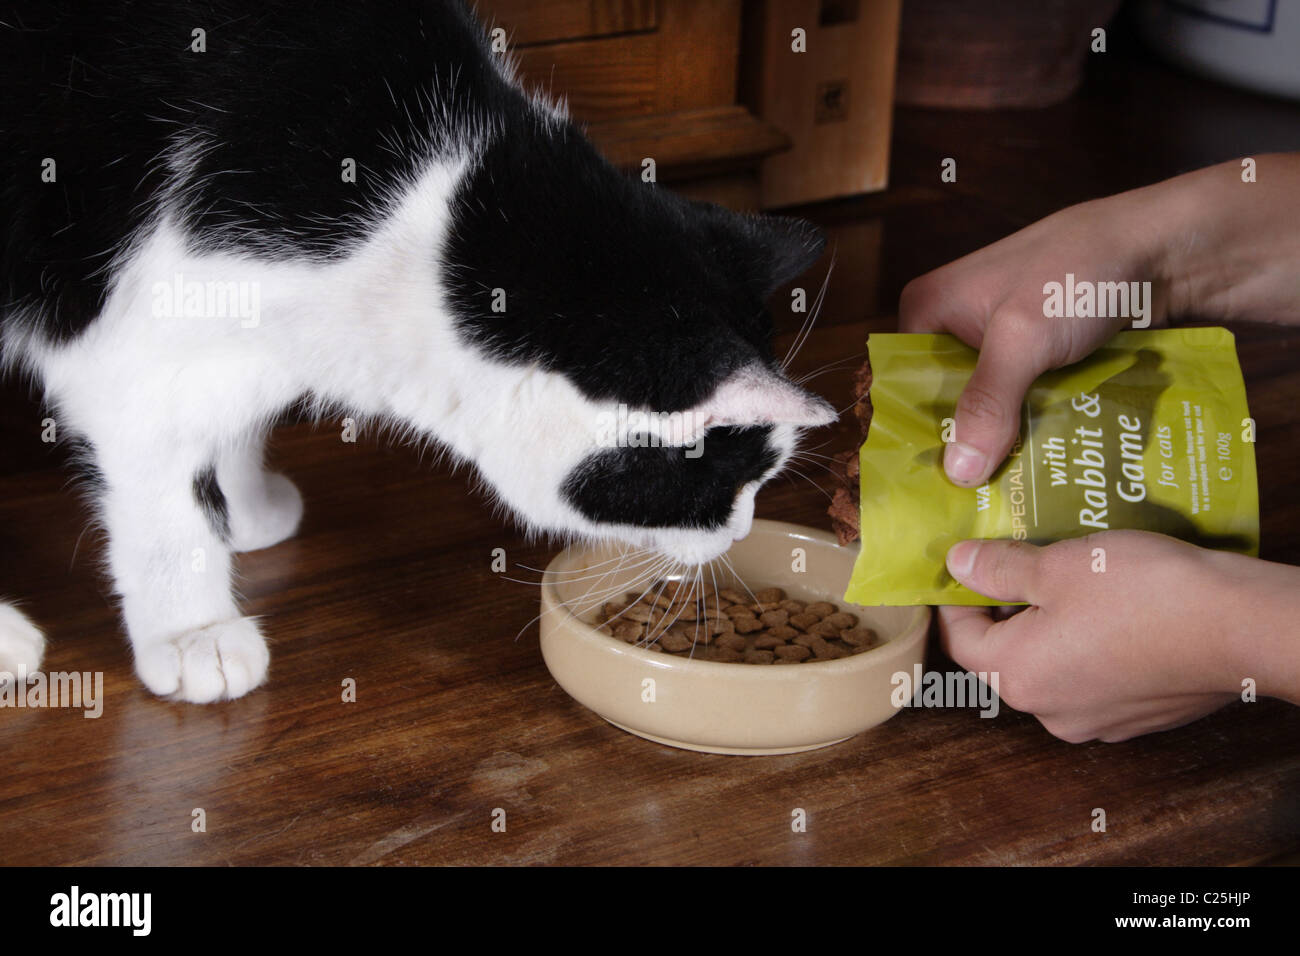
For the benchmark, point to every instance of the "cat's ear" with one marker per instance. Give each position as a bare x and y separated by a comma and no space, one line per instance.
770,250
789,248
756,395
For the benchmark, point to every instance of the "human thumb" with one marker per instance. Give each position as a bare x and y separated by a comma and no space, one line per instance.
1000,570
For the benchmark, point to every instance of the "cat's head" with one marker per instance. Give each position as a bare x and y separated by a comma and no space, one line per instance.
631,331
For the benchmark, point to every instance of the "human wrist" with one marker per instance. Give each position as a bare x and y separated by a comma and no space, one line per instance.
1186,261
1253,608
1137,234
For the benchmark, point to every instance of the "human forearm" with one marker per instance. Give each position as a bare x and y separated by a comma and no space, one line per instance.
1257,605
1227,249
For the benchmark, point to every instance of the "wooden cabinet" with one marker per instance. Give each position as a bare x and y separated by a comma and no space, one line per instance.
662,80
650,79
831,89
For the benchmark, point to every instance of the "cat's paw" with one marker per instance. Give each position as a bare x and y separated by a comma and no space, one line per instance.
218,662
266,516
21,644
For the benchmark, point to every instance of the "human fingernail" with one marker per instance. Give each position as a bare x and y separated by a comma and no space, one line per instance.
961,559
963,463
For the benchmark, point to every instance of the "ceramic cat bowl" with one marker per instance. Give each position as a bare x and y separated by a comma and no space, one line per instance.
722,707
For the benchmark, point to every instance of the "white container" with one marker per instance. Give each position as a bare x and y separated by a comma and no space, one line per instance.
1249,43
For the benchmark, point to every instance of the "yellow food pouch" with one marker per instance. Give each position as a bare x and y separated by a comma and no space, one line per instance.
1150,432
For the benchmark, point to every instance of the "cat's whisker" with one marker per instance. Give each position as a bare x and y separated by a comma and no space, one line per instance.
841,363
663,581
652,575
820,465
660,628
588,572
796,471
850,405
685,602
714,578
583,602
730,567
535,619
618,557
587,602
829,441
795,342
699,578
815,463
805,327
802,453
572,575
650,566
687,598
841,360
813,314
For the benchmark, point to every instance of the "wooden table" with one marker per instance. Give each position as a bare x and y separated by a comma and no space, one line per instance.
389,583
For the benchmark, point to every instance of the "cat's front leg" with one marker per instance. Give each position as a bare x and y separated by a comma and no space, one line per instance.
169,554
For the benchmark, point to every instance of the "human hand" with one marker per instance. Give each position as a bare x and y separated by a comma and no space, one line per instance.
1149,643
1215,243
993,300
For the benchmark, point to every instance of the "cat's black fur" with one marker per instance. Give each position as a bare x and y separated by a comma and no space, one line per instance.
210,497
284,93
634,293
734,455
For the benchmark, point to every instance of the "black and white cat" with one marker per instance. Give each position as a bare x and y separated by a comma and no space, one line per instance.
186,255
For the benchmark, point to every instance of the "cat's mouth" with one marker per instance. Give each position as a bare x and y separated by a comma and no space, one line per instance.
695,546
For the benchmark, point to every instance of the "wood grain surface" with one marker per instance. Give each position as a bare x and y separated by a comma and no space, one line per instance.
389,583
687,62
689,144
528,21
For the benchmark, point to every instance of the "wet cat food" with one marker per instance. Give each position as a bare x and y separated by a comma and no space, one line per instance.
733,626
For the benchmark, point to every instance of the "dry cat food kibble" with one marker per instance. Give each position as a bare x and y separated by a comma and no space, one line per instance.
729,626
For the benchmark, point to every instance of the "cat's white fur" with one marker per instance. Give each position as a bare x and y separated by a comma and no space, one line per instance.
21,644
163,397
